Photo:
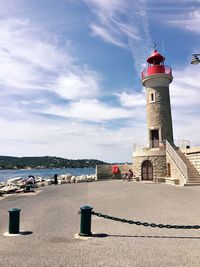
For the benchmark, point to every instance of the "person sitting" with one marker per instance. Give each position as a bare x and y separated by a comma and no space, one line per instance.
31,179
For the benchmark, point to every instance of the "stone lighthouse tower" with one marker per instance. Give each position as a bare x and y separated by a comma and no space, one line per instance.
150,162
156,79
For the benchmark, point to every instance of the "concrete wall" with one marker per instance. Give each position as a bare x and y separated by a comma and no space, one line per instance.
105,171
175,172
193,154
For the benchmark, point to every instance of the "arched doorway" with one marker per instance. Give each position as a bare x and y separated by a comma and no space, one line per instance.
147,171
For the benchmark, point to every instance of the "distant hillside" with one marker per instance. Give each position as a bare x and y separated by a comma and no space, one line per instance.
7,162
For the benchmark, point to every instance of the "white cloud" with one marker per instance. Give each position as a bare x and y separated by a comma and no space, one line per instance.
124,24
185,100
132,100
68,140
84,84
30,60
106,36
185,91
27,59
106,5
189,21
183,14
90,110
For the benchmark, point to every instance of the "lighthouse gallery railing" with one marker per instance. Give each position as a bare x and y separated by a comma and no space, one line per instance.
177,160
155,69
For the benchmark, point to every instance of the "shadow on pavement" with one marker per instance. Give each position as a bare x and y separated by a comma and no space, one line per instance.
26,232
102,235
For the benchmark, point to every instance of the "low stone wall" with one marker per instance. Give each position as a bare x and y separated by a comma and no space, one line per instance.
105,171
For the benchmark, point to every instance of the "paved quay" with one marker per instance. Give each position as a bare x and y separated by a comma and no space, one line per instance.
51,216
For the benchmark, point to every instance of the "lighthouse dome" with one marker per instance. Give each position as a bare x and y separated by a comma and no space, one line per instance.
156,58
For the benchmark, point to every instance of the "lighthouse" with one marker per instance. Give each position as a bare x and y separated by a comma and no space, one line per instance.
156,79
161,160
150,162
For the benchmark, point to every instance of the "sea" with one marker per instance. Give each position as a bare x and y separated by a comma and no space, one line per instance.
44,173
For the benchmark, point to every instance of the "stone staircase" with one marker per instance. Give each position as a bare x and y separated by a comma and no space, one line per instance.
193,175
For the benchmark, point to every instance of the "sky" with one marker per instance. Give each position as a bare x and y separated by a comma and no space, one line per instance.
70,75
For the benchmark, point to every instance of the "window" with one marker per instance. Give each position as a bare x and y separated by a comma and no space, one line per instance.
152,97
154,138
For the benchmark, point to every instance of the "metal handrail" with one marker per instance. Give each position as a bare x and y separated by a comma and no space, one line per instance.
177,159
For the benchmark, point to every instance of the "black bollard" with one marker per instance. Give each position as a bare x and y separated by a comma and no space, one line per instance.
14,219
55,179
85,224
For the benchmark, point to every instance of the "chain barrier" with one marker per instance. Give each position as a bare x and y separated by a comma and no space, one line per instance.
169,226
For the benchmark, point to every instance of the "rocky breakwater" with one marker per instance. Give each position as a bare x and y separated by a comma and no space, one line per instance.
18,184
70,179
13,185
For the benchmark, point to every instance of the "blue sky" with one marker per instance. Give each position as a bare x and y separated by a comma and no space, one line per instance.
70,74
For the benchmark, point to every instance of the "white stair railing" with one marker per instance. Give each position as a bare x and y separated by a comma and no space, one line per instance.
177,159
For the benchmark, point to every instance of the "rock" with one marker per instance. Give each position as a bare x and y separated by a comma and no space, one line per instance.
9,189
73,179
61,182
48,182
66,177
62,177
69,176
85,178
2,184
39,184
90,179
19,190
16,181
39,179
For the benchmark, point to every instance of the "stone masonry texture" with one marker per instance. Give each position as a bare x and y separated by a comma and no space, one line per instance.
159,112
158,162
105,171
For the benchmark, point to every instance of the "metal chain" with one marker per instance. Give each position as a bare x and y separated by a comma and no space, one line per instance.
169,226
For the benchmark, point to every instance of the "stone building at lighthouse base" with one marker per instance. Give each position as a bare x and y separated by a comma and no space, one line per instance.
150,164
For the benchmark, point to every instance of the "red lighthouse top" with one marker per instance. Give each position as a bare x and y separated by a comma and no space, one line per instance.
155,58
156,65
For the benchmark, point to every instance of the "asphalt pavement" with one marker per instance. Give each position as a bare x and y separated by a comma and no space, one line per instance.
50,219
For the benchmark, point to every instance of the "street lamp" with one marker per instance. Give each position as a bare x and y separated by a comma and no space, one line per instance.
195,59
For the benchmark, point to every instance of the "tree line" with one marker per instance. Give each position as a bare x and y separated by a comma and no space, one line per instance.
8,162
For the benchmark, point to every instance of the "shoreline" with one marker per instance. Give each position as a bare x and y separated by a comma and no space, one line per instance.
18,185
44,173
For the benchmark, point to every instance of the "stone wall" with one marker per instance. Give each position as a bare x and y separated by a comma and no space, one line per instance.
159,112
105,171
